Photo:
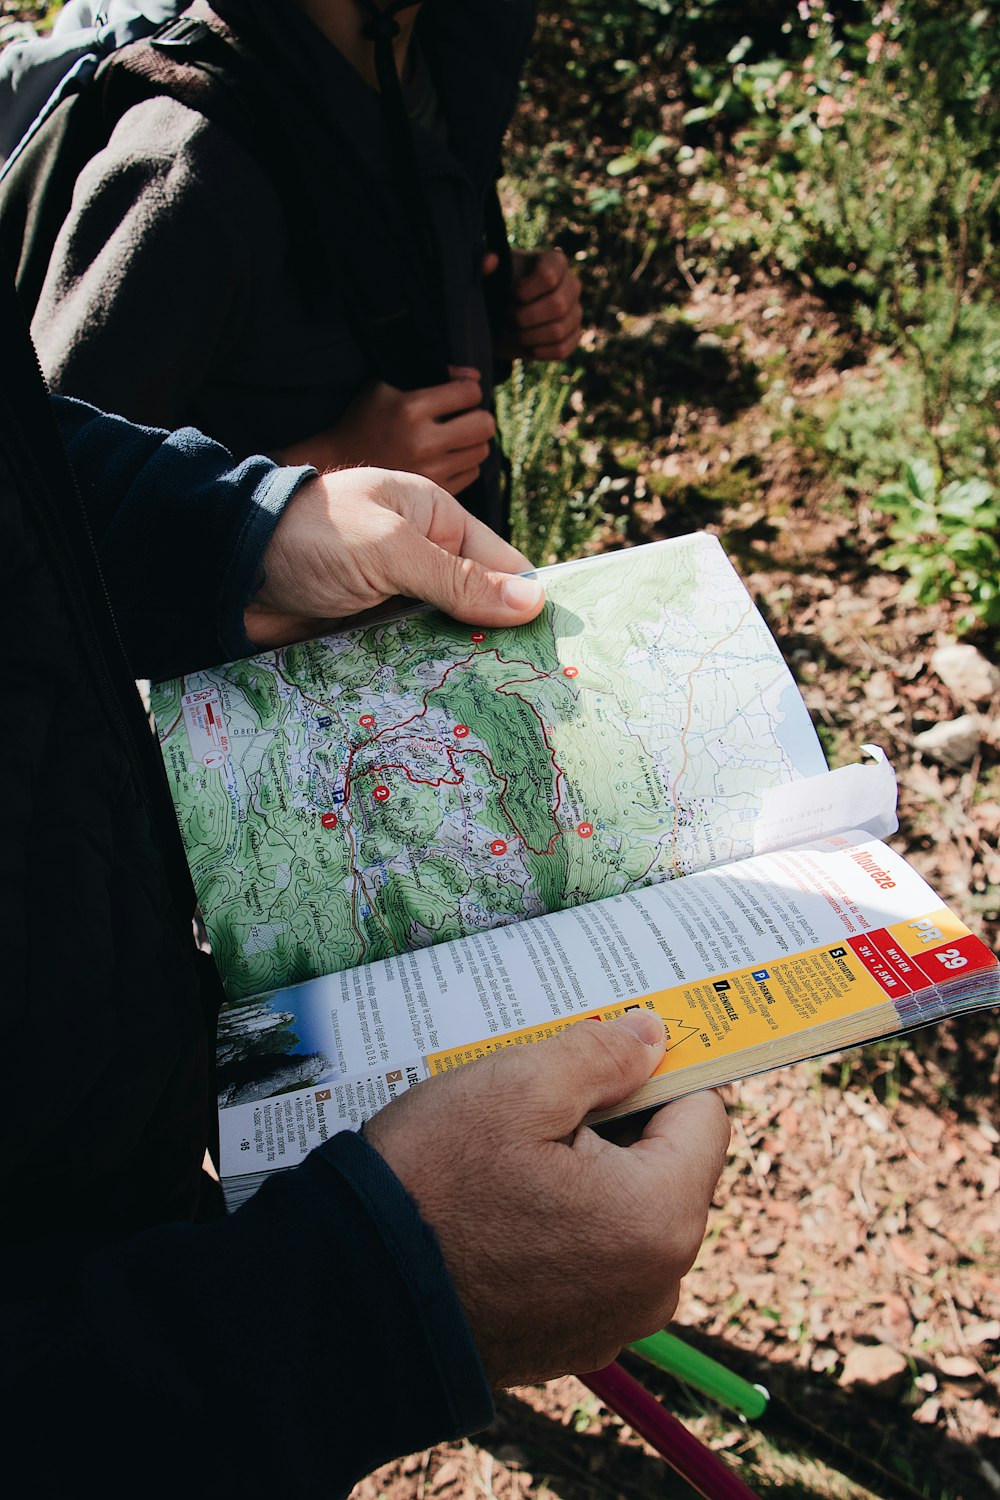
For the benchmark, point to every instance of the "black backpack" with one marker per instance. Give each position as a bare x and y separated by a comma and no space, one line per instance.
212,70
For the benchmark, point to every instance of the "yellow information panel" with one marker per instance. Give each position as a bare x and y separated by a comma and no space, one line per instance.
823,986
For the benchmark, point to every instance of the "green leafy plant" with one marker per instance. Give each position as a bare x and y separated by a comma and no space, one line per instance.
945,537
646,148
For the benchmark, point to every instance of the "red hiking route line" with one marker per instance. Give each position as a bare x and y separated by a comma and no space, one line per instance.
539,674
380,770
389,733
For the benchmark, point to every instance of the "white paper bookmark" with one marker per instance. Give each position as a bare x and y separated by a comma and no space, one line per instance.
861,796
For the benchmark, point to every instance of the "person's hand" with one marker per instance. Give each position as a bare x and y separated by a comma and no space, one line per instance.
562,1246
441,431
349,541
545,318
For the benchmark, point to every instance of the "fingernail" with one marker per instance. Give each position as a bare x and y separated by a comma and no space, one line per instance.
521,593
643,1024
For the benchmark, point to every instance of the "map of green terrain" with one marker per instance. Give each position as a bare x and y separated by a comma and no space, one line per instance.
416,780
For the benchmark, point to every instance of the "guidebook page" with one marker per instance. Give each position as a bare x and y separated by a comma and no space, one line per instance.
732,959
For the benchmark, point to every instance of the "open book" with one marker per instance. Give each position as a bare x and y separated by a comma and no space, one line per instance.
418,841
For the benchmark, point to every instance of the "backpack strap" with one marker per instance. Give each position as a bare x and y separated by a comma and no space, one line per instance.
381,27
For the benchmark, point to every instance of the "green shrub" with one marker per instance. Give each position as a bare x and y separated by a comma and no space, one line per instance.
869,175
555,501
945,537
877,426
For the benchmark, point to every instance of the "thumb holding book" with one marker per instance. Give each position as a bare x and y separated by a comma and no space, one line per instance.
349,541
562,1245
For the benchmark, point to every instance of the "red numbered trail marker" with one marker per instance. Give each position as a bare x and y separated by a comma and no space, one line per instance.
498,847
461,730
571,671
381,794
478,637
585,830
329,820
367,721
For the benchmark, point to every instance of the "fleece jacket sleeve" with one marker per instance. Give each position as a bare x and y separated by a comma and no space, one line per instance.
288,1349
180,532
151,276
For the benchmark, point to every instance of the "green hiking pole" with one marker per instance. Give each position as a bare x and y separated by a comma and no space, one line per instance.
706,1375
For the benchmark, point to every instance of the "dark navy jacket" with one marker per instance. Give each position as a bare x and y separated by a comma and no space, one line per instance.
147,1346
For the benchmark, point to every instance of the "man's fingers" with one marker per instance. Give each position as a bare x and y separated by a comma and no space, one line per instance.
477,541
436,401
464,588
349,540
547,315
454,471
464,459
561,307
543,275
691,1134
485,547
590,1065
267,629
470,429
438,517
558,332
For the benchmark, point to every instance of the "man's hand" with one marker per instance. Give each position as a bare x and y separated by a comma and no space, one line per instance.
349,541
545,318
563,1247
441,432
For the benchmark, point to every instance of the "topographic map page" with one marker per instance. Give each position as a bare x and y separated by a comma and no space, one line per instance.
417,780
